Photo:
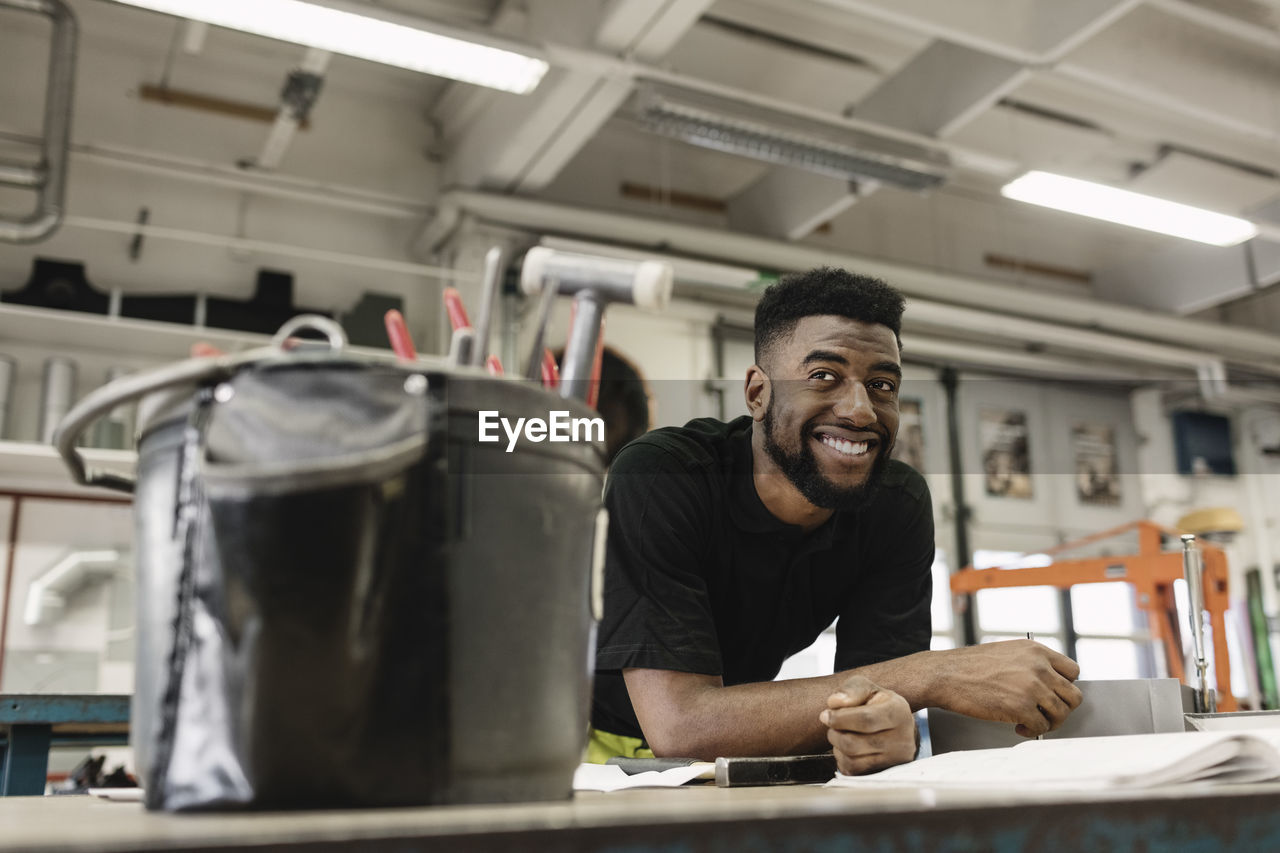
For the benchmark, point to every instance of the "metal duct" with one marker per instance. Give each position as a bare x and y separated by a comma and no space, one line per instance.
48,178
48,593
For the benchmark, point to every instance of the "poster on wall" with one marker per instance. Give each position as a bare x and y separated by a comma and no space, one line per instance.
909,447
1006,453
1097,475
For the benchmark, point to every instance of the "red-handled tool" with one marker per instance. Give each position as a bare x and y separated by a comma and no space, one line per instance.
201,349
398,334
494,365
463,340
457,313
593,389
597,357
550,373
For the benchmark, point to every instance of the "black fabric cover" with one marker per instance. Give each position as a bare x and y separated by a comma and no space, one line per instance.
347,600
59,284
267,310
366,322
309,648
163,308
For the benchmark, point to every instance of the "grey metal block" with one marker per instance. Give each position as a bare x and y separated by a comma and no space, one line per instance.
1119,707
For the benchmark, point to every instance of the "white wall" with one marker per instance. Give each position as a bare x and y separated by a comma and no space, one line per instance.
87,647
1053,512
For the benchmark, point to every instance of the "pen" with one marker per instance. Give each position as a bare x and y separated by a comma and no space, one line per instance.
1031,636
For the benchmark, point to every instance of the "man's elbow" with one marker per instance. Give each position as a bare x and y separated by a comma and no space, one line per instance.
677,712
682,747
679,738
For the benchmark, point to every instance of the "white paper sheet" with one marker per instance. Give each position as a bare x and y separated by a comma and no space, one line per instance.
119,795
1120,761
609,777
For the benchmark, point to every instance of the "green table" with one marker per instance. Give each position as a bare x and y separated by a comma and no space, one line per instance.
30,724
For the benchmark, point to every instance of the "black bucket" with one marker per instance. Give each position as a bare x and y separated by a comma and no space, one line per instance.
345,598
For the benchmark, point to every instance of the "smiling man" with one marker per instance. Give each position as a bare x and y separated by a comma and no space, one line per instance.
733,545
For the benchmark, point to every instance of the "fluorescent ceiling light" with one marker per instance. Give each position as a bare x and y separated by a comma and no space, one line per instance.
1129,208
364,37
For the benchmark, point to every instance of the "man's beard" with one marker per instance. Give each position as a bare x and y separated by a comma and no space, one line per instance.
801,469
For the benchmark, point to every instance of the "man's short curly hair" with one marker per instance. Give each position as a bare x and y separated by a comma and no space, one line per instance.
825,290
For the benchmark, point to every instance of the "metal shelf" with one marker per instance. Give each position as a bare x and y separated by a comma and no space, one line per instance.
29,466
81,331
78,330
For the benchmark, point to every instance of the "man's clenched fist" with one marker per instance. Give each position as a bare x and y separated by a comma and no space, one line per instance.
869,727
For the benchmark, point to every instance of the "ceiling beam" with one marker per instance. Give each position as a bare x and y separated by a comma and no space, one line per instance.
1029,33
790,203
521,144
941,88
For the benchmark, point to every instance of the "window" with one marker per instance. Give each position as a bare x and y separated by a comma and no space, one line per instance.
1110,638
941,611
1009,612
1102,659
1104,608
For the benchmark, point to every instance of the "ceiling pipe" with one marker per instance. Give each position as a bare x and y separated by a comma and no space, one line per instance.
1210,370
919,348
243,244
986,322
1208,367
1235,344
259,183
736,286
27,177
1219,22
49,178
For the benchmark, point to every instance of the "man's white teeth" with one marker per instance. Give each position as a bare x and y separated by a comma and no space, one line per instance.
848,448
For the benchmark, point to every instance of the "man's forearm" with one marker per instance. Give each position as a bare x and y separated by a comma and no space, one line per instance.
915,677
695,717
1016,681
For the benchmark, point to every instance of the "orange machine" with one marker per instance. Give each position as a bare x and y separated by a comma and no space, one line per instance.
1152,572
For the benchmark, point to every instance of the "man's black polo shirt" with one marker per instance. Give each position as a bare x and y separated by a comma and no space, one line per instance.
701,577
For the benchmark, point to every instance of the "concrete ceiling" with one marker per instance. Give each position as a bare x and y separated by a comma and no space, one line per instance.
1178,98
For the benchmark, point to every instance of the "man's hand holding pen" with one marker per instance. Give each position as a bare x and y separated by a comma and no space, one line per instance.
1017,681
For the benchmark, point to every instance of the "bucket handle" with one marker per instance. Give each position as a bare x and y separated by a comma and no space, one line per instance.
193,371
332,331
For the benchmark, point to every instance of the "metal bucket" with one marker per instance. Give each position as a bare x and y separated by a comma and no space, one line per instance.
345,599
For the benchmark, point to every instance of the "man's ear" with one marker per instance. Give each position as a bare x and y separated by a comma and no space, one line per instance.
757,391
